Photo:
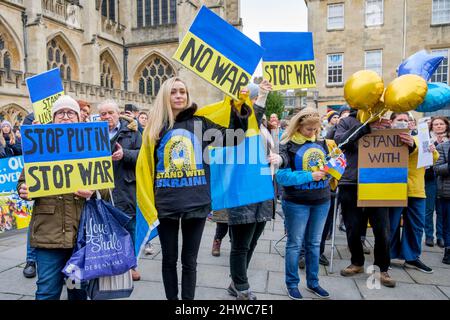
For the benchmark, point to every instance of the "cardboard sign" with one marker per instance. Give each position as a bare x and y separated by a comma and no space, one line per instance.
288,60
44,89
10,169
219,53
64,158
383,169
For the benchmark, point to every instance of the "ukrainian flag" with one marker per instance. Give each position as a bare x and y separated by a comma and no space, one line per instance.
219,53
232,184
288,59
382,183
44,89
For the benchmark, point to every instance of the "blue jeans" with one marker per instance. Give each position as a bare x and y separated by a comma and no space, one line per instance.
303,222
50,263
445,207
408,246
31,252
432,203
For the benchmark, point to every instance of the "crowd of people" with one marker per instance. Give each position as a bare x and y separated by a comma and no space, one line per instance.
307,194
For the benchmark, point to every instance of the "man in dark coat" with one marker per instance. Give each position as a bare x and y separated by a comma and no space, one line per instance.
125,145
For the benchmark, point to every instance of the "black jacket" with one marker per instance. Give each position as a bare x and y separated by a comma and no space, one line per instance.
182,177
124,193
12,150
344,129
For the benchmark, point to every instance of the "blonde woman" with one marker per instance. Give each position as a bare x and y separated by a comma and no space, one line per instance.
182,182
306,198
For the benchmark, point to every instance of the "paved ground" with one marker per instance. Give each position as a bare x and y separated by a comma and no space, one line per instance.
266,272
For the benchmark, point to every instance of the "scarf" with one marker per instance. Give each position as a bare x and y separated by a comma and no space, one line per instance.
298,138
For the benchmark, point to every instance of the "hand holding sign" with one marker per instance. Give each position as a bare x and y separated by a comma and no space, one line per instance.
84,193
382,124
265,86
318,175
23,191
406,138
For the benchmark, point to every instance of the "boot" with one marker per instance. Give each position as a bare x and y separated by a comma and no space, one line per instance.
446,258
216,247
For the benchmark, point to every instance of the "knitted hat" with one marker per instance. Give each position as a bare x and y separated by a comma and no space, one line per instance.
331,114
253,89
344,108
65,102
6,123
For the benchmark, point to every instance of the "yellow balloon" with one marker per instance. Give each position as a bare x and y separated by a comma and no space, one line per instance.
363,89
364,115
405,93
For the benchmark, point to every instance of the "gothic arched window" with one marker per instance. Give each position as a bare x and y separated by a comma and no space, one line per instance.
153,76
57,58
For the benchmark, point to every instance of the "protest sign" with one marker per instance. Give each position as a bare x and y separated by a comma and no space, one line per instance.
64,158
425,156
288,59
382,169
219,53
44,89
10,169
15,213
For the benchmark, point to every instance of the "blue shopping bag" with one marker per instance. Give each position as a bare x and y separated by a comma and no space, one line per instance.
104,247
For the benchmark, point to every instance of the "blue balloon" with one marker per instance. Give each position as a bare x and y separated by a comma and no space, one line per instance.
437,98
420,63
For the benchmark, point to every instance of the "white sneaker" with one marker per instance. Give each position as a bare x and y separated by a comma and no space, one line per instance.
149,249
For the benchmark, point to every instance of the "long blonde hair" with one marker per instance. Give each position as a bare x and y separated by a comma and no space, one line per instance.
306,116
12,138
161,112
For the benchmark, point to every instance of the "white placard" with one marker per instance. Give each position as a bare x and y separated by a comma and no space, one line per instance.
425,156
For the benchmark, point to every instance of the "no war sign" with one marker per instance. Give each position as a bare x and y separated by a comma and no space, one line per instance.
219,53
288,60
64,158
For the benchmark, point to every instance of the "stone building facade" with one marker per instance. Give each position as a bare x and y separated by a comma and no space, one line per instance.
351,35
105,49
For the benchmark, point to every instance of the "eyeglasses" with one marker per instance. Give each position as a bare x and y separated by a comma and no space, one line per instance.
61,114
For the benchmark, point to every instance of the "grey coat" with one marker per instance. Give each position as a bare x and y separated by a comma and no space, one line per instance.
441,169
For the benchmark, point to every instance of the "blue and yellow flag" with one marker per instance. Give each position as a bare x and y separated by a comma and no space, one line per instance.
219,53
44,89
288,60
232,184
382,183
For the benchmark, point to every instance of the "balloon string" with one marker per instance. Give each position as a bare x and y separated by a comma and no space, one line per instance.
363,125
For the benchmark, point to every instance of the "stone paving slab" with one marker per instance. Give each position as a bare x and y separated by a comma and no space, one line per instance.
15,253
6,264
13,281
445,290
339,289
398,274
403,291
9,296
440,276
